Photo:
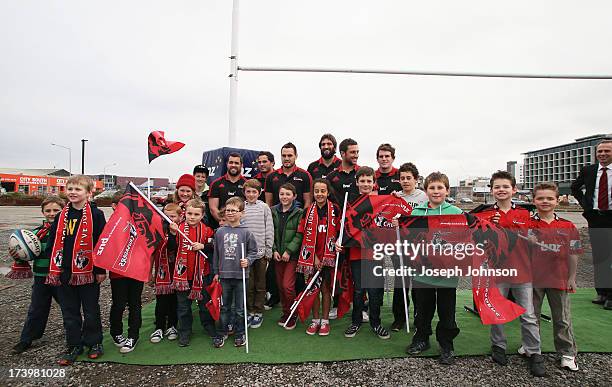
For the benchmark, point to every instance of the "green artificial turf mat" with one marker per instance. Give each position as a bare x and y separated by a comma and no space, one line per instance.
272,344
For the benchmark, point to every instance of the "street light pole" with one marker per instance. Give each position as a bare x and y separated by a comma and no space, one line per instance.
104,169
83,141
69,156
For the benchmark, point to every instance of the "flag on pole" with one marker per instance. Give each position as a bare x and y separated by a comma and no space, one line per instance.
159,146
304,307
214,304
130,237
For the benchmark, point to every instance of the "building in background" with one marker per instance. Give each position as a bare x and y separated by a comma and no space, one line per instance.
37,181
560,163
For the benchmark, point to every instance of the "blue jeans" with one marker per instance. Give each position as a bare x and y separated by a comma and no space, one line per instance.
233,295
185,317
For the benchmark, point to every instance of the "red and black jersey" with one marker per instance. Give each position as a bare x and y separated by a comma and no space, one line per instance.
343,182
318,170
387,182
298,177
517,219
223,189
262,180
550,259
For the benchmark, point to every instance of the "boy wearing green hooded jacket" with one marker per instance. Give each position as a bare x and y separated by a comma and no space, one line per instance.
434,291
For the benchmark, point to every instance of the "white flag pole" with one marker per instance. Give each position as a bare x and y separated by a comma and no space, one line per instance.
233,77
339,239
401,259
244,292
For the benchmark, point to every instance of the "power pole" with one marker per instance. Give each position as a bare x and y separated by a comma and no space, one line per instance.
83,141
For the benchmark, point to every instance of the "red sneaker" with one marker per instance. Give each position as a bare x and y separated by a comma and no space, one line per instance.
324,330
312,328
291,323
282,320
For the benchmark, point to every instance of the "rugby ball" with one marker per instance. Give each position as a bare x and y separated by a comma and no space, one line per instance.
24,245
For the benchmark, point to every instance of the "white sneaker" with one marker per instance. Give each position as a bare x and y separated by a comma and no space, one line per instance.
157,336
365,317
129,345
333,313
171,333
521,351
119,340
569,362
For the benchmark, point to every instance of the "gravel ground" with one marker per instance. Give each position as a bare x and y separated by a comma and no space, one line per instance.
476,370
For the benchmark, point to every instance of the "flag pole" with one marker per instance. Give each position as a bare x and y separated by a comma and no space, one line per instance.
161,213
296,304
149,181
339,239
233,77
401,258
244,292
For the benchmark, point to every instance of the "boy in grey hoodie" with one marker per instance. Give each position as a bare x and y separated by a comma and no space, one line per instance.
258,219
228,264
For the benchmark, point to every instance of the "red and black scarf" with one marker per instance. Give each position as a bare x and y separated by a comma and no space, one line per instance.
82,252
201,267
163,277
309,243
21,269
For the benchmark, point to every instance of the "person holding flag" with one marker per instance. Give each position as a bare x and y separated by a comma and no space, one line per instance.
508,215
319,226
185,191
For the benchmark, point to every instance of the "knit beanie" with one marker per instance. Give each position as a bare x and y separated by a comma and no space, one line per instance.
186,180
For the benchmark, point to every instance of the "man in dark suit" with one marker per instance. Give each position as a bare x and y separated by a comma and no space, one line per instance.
596,202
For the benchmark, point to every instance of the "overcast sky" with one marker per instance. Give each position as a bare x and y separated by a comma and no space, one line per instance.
112,71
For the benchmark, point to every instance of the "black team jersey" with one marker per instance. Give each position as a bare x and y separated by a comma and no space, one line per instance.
298,177
343,182
262,180
223,189
318,170
387,182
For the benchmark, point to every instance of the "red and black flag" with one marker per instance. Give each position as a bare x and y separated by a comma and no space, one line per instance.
214,304
158,146
304,307
130,237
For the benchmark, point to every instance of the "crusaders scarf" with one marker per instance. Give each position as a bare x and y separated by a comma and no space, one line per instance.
215,290
21,269
163,277
130,237
82,252
307,254
201,268
158,146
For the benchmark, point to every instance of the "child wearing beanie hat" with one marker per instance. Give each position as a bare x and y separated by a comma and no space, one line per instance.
185,191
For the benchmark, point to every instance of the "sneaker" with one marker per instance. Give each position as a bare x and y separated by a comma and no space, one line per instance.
218,341
381,332
569,363
333,313
268,307
171,333
324,329
521,351
96,351
70,356
119,340
157,336
281,321
313,328
536,365
498,354
291,324
129,346
230,329
268,296
21,347
183,341
365,317
256,321
249,319
447,357
417,347
352,330
397,326
239,341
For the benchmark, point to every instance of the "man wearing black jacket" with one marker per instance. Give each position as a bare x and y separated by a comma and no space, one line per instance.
596,202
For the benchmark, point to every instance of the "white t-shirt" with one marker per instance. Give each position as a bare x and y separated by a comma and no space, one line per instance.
416,198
